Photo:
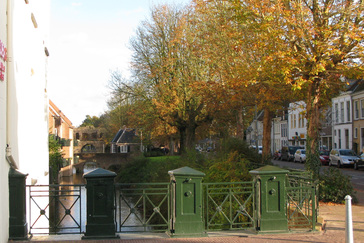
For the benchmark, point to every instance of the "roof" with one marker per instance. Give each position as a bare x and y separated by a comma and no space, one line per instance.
124,136
57,112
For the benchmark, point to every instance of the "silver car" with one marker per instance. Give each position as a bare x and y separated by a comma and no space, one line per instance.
341,157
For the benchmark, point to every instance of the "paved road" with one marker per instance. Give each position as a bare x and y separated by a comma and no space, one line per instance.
357,176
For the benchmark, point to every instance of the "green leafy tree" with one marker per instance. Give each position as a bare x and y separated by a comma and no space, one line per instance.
55,158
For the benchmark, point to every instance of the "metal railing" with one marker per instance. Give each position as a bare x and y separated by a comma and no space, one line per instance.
229,206
302,201
142,206
56,209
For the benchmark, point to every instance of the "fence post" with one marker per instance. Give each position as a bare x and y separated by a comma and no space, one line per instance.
18,227
348,221
100,205
186,218
272,215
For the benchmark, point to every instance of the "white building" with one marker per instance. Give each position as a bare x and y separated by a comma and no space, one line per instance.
254,135
342,123
24,28
297,123
279,133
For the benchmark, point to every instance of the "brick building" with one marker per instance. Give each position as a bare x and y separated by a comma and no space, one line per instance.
61,128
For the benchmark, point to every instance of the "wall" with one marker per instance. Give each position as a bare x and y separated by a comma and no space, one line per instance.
28,101
4,166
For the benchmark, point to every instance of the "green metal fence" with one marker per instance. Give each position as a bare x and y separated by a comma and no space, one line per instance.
56,209
302,201
142,206
229,206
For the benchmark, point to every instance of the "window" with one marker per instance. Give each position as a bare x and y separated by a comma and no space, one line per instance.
77,135
362,138
356,109
339,132
348,111
284,130
336,113
294,121
356,132
299,120
347,138
362,108
342,112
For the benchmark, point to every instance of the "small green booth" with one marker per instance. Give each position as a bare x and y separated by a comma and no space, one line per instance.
186,217
270,200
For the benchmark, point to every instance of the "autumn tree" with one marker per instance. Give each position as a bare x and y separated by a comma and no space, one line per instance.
172,78
244,47
325,38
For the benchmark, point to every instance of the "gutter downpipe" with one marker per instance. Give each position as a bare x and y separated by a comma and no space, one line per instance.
8,62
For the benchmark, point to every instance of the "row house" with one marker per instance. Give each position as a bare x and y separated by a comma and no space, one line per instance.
357,98
341,126
61,128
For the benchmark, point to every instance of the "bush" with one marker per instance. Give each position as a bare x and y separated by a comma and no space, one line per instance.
334,186
232,169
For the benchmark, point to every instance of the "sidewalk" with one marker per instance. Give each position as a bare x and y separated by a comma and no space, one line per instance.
333,231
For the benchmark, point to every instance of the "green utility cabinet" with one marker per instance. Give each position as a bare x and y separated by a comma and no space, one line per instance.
186,198
270,200
100,204
18,227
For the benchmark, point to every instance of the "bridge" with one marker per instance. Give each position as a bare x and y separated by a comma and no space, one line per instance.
87,161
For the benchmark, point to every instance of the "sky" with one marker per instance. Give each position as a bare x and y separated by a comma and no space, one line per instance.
88,39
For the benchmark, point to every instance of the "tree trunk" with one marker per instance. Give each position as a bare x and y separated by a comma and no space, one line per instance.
267,127
182,139
240,125
191,136
313,123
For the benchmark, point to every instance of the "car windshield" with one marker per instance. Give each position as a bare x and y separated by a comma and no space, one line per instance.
347,152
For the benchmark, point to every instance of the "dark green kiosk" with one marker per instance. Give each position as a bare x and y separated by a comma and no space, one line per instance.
270,200
100,205
18,227
186,198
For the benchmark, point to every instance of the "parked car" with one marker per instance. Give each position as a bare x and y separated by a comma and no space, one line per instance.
260,148
289,151
324,157
359,162
277,155
300,156
341,157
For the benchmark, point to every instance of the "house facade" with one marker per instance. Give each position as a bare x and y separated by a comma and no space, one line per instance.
358,118
297,124
89,140
61,128
279,133
24,29
125,141
342,121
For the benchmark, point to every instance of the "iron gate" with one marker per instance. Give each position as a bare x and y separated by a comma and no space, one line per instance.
142,206
302,203
229,206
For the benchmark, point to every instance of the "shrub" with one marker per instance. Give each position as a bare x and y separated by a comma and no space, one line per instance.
232,169
334,186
